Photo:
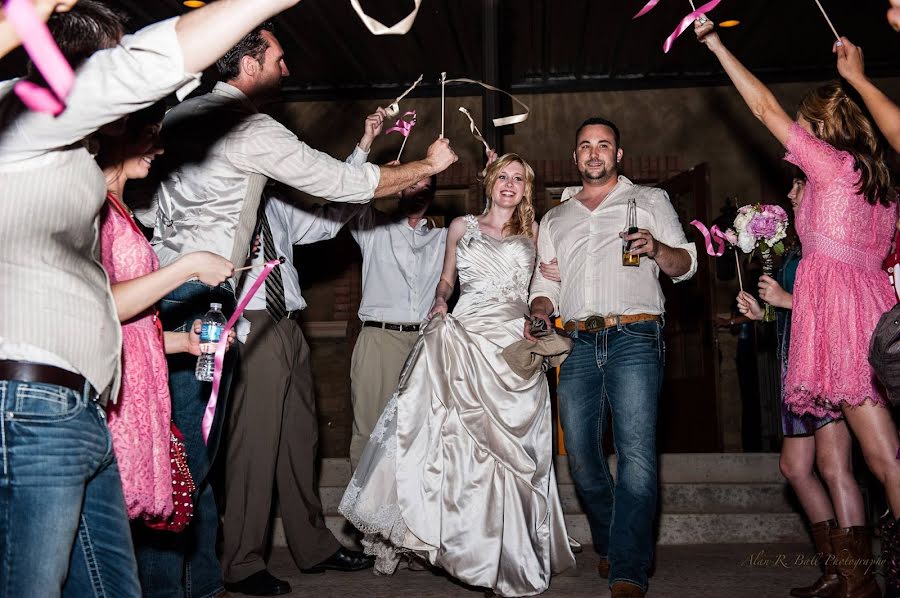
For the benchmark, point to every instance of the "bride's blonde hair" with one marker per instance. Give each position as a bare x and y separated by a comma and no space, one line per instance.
521,221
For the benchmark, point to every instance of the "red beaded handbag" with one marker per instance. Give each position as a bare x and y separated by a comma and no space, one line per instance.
182,487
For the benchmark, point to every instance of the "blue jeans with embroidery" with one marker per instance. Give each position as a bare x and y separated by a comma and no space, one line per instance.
616,371
63,525
185,564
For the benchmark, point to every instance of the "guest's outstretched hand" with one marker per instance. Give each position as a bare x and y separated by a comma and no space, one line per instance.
893,15
706,33
372,129
440,155
491,156
749,306
850,62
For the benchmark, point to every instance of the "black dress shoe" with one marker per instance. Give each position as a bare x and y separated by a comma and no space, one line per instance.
343,560
261,583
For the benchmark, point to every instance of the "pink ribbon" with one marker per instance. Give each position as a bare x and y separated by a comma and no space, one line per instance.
686,22
647,8
210,412
46,56
402,125
712,235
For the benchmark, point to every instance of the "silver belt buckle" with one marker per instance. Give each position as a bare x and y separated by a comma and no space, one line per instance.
594,324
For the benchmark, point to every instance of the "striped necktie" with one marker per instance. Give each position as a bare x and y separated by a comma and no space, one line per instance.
274,285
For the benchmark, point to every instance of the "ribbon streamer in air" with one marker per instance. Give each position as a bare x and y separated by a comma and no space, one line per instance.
505,120
210,411
687,21
712,235
394,108
378,28
647,8
46,56
404,127
475,132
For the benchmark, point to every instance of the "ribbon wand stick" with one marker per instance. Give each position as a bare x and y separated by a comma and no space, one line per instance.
443,85
402,145
737,262
827,20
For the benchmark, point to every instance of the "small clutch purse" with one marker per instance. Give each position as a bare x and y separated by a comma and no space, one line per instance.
539,327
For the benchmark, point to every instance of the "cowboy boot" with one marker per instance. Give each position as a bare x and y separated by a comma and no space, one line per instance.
852,548
890,552
829,582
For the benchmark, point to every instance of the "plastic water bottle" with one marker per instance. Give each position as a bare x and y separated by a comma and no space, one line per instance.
210,333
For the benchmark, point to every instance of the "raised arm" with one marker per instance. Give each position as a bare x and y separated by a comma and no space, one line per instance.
136,295
396,178
448,275
886,113
759,98
207,33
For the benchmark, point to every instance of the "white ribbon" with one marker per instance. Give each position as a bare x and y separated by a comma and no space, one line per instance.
378,28
393,110
475,132
505,120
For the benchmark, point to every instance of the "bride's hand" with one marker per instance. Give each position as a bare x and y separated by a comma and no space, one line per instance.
550,270
439,308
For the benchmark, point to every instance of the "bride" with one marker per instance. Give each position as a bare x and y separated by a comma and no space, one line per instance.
459,469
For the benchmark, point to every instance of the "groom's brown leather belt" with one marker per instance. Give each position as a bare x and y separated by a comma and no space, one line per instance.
390,326
597,323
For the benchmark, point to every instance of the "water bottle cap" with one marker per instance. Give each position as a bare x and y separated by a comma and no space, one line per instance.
215,306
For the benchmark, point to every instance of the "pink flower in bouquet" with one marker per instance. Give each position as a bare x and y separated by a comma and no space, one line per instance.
731,236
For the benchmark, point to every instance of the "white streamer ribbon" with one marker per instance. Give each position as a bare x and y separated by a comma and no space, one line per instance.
475,132
378,28
393,110
504,120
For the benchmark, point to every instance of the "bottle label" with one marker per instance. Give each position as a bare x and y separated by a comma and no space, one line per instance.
211,332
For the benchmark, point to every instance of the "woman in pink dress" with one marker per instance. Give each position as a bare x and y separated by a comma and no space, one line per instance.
140,421
846,223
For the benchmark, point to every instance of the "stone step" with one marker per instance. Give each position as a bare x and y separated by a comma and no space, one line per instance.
675,468
674,498
674,528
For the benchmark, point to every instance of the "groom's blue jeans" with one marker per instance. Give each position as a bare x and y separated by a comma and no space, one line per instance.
616,371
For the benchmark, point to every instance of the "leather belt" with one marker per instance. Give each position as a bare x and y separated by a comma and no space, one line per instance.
294,315
598,323
25,371
390,326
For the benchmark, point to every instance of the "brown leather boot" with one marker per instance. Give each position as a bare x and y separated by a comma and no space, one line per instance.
890,553
603,568
623,589
856,567
828,583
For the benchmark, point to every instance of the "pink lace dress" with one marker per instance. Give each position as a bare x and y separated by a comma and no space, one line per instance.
840,290
140,420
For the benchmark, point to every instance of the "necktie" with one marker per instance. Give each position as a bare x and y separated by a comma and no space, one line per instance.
274,285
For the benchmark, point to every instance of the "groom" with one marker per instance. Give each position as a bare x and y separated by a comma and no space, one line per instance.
615,315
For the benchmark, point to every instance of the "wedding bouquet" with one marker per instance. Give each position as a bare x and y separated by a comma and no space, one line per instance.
760,227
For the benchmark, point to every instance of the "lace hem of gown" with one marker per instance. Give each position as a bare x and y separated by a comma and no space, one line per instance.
383,526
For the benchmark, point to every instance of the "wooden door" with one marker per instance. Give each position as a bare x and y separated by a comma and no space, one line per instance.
688,418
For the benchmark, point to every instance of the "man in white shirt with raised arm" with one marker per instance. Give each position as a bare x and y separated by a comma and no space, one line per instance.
272,429
614,313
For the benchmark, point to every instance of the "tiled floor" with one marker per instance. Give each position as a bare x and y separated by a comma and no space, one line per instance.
701,571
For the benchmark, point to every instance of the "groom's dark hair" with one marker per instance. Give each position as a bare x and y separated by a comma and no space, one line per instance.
598,120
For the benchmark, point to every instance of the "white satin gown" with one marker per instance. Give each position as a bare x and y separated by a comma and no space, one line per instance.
459,468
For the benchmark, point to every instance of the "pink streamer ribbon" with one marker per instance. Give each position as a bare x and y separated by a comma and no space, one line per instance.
46,56
712,235
210,412
402,125
647,8
687,21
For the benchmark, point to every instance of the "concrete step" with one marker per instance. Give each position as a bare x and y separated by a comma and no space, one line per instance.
674,529
675,468
674,498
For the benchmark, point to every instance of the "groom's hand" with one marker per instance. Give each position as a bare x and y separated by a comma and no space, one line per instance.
536,313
